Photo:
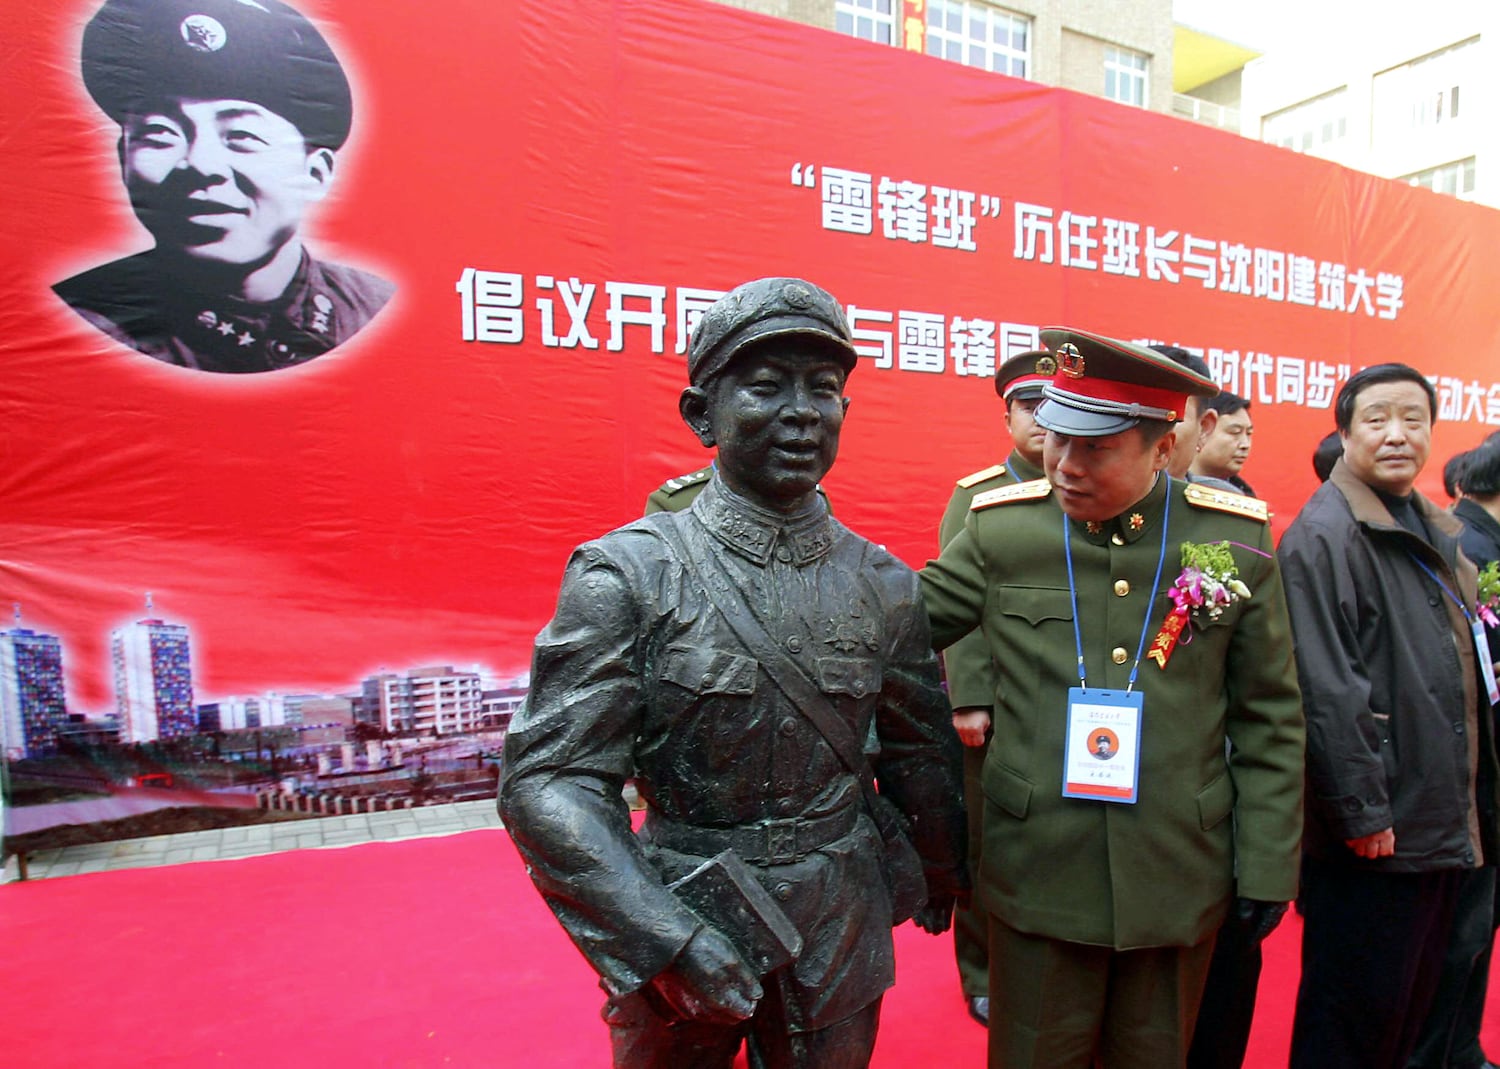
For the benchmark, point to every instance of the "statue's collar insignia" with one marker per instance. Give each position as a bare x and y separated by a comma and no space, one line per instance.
761,535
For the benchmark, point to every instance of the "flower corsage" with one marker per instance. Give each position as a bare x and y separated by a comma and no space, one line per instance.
1488,606
1209,582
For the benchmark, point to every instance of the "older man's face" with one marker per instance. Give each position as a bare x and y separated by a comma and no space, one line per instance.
1389,436
225,181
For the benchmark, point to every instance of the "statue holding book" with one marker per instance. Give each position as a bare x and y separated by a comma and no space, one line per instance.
766,677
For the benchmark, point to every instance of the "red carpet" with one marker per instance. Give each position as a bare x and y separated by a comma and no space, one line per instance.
431,952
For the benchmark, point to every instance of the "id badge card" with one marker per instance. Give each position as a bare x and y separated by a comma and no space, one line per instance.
1102,752
1482,651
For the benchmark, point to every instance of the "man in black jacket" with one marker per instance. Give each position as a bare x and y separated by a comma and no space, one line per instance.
1400,755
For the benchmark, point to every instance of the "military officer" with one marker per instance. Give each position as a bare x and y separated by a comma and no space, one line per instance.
758,668
1104,881
231,114
971,684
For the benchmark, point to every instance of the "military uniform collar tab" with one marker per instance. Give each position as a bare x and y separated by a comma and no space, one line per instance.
760,534
1134,523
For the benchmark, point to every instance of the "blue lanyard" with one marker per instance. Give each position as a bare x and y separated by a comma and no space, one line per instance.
1166,513
1436,579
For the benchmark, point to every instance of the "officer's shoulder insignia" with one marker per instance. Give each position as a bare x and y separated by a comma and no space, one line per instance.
1223,501
1034,490
991,472
682,482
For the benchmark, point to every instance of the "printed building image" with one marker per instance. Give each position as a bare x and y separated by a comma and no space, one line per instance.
32,705
153,680
435,700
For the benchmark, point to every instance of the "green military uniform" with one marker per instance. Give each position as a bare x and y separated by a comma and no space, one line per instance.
1092,883
971,682
677,493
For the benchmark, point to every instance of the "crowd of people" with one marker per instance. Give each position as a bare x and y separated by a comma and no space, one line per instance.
1161,728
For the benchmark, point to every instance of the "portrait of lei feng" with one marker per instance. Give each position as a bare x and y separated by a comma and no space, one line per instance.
231,116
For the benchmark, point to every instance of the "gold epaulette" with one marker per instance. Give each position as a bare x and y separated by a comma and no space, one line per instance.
991,472
1034,490
1223,501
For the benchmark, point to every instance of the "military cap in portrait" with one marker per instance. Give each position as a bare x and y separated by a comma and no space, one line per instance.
137,53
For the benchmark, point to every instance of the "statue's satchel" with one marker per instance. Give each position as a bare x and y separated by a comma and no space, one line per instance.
726,895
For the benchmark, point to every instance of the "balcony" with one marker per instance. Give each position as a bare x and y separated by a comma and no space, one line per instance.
1206,112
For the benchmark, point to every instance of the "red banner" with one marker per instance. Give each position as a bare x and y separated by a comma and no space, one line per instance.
554,190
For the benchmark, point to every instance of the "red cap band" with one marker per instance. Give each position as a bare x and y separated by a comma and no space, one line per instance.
1123,393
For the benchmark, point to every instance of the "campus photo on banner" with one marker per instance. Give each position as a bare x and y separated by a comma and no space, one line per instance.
332,327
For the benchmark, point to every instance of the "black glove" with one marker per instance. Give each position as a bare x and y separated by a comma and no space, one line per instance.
1258,918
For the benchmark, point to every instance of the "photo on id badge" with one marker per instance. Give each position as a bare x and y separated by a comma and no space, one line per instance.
1102,753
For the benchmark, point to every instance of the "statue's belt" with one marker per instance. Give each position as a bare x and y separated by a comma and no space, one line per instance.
766,842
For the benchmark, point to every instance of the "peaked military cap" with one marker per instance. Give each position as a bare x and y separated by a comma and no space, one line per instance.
767,308
138,52
1104,386
1024,374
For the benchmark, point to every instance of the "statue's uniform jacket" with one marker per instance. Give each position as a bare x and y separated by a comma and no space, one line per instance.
1160,872
639,674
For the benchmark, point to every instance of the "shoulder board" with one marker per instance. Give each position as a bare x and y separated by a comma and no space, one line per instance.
1223,501
1035,490
991,472
682,482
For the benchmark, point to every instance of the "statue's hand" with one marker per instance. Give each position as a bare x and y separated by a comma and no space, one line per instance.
935,917
709,981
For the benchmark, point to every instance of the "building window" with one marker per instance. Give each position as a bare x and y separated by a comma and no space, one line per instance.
1125,76
1456,178
1422,96
869,20
1311,126
980,36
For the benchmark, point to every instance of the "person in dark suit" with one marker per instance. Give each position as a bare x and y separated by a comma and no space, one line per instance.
1450,1036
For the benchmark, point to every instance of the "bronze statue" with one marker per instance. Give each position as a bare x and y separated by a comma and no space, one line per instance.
758,669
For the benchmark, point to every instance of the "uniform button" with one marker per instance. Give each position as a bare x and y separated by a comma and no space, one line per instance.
783,554
1458,727
1353,805
1117,538
783,891
1121,588
785,806
794,644
857,688
1432,601
708,680
788,726
1118,655
1469,856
